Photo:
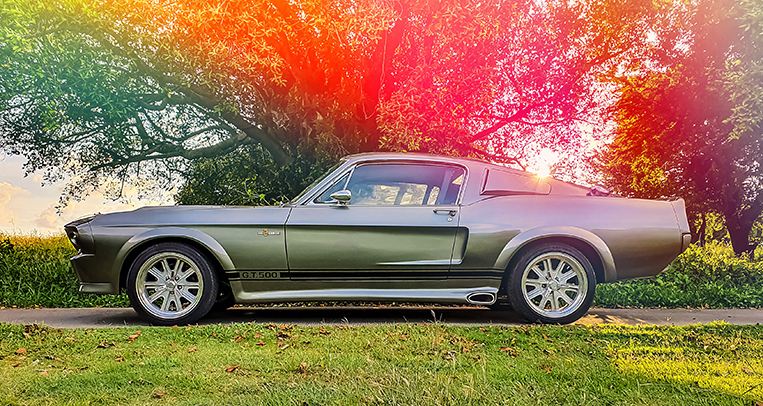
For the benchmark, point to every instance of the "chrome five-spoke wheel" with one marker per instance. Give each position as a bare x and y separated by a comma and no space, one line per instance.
172,283
552,283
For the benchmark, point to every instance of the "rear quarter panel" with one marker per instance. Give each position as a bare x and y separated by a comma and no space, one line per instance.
642,236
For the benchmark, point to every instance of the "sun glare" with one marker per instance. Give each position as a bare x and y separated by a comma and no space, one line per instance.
543,172
545,162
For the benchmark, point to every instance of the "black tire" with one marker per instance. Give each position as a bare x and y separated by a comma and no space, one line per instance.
225,299
551,283
501,306
172,283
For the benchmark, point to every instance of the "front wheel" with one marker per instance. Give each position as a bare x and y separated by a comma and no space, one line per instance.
172,283
225,298
552,283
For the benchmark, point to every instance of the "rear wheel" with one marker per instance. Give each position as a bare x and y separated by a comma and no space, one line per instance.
501,305
552,283
172,283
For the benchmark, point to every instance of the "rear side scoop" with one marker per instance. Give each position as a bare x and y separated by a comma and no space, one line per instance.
499,183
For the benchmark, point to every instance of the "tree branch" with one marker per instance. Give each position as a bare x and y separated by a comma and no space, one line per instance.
198,95
172,151
498,158
523,112
162,105
519,114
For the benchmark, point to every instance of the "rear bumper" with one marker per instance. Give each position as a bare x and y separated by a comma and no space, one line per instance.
686,240
679,208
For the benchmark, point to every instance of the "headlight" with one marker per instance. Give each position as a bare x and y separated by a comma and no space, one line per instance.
73,235
80,235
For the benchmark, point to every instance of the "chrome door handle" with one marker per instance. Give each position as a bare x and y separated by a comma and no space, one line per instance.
450,212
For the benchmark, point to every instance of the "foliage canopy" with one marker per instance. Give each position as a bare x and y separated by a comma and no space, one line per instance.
92,88
691,123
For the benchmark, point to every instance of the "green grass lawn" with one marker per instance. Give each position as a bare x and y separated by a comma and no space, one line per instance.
424,364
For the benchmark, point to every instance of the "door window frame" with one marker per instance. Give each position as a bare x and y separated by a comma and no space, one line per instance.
311,200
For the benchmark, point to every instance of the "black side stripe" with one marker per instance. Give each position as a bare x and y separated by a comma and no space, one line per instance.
381,274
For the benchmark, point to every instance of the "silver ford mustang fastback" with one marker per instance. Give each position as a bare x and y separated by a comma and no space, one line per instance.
385,227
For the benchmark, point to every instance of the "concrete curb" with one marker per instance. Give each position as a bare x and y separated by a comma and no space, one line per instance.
119,317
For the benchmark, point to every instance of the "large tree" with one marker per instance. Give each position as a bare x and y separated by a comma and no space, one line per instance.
689,123
247,177
95,88
499,76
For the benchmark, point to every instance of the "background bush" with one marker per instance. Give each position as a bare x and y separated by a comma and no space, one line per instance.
35,270
709,276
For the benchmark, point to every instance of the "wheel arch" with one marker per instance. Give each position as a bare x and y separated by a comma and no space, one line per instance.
194,238
593,247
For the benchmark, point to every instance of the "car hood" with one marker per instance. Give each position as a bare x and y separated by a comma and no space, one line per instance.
164,216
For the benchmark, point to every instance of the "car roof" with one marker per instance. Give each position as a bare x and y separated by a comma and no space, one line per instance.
474,165
407,156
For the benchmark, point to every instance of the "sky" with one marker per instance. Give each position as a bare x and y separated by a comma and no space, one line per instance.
26,207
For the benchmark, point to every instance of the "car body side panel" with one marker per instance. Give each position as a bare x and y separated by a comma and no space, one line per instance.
105,266
194,235
539,233
396,241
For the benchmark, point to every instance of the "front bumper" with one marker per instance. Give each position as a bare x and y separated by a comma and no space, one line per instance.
91,277
95,287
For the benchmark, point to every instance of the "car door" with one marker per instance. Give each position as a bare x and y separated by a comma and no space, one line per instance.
400,222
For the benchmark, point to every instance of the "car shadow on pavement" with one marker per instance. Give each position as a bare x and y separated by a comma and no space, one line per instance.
318,315
363,315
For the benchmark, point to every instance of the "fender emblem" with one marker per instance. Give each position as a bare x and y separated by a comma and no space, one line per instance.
266,233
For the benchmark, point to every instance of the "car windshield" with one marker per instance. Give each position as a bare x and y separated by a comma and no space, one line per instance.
315,182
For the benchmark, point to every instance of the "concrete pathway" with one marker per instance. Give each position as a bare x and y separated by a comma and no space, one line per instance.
92,318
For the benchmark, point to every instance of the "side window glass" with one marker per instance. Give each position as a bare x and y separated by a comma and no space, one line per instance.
337,186
405,185
433,195
453,181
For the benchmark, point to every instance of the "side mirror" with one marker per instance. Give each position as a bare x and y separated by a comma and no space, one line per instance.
342,197
599,190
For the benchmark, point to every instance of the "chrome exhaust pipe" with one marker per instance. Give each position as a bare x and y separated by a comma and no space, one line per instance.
481,298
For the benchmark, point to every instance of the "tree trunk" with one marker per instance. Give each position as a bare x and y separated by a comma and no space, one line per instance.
739,239
378,67
739,226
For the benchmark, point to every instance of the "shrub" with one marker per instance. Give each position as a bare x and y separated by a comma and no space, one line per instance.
709,276
35,270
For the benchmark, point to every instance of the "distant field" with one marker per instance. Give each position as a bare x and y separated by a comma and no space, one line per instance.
35,271
424,364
